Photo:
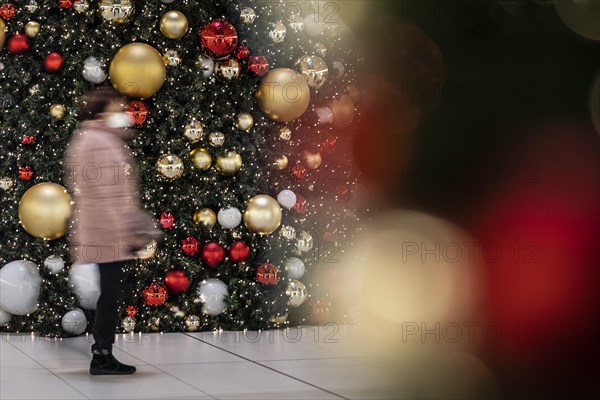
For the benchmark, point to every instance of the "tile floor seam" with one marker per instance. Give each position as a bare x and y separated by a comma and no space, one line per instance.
270,368
50,371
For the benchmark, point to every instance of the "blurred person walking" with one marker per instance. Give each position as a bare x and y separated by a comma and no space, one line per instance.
109,224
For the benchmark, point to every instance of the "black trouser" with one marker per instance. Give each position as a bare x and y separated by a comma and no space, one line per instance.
112,281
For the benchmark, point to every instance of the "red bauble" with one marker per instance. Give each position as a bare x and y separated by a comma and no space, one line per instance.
25,173
328,145
190,246
267,274
298,172
28,139
258,65
212,254
17,43
155,295
131,311
321,311
242,52
167,221
218,38
53,62
65,3
137,111
8,11
239,252
177,281
300,206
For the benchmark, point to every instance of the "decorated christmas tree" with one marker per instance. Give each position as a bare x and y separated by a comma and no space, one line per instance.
242,110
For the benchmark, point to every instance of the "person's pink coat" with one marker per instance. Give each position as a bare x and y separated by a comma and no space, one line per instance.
109,224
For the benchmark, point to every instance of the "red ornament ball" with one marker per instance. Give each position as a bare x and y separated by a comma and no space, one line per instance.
25,173
267,274
167,221
301,204
298,172
137,111
212,254
218,38
177,281
190,246
53,62
65,3
328,145
131,311
8,11
155,295
17,43
330,233
258,65
239,252
242,52
28,139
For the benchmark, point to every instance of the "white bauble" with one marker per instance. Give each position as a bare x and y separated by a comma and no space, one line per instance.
206,65
54,263
92,70
213,293
4,317
286,198
74,322
20,283
294,267
85,281
229,217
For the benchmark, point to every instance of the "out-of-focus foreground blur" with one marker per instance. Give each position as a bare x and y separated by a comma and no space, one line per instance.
479,150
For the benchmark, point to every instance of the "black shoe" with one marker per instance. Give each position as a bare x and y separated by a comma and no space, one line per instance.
104,363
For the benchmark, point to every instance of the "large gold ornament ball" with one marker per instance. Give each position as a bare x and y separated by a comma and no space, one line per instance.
173,24
2,33
281,162
45,210
244,122
343,111
58,111
206,217
312,160
262,214
201,158
229,163
32,28
137,70
170,166
283,95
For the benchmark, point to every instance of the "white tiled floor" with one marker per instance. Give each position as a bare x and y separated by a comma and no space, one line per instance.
308,363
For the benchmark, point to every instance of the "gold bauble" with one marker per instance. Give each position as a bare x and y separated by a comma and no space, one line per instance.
173,24
314,70
312,160
58,111
281,162
229,163
118,11
147,252
194,131
32,28
262,214
283,95
45,210
343,111
2,33
244,122
201,158
206,217
170,166
137,70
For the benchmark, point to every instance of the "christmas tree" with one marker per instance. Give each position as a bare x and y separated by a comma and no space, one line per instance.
213,154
